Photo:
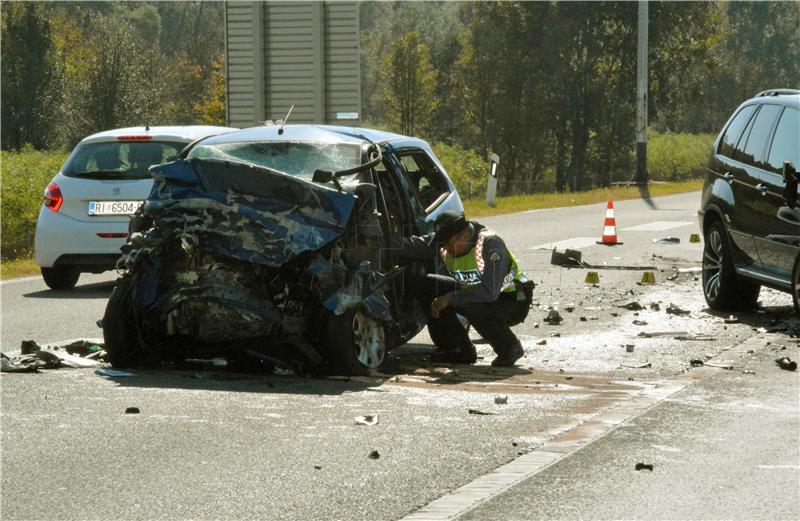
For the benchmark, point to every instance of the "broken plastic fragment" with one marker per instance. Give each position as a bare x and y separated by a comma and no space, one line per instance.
501,400
112,373
367,419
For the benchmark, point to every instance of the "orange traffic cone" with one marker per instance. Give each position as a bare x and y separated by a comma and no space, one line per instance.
609,227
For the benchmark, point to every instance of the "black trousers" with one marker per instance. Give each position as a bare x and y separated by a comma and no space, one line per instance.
492,320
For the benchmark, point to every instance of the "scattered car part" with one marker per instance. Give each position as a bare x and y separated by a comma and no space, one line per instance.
367,419
786,363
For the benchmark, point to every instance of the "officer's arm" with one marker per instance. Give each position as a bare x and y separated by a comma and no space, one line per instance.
418,247
496,263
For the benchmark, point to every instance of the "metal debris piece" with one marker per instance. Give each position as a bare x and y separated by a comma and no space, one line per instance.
583,319
374,455
748,371
501,400
629,348
673,309
481,413
639,323
786,363
632,306
654,306
541,343
553,318
696,338
655,334
696,362
728,366
112,373
732,320
132,410
644,365
644,466
667,240
367,419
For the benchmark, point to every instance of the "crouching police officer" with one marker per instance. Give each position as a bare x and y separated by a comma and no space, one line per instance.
491,290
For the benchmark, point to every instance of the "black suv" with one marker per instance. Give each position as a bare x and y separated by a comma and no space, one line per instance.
748,216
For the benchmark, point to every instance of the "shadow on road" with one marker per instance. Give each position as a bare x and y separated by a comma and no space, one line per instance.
86,291
408,365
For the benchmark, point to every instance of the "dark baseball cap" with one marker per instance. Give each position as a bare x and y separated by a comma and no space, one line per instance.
446,225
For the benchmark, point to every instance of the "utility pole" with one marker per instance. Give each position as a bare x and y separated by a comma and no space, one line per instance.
641,95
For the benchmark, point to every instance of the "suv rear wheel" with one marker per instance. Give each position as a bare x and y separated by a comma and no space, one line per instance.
722,290
61,278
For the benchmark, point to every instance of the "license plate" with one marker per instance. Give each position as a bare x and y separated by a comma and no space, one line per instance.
114,207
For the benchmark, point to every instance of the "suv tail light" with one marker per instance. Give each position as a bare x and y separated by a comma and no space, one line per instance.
53,197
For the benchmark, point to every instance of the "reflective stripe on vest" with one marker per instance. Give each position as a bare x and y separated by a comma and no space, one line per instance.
469,268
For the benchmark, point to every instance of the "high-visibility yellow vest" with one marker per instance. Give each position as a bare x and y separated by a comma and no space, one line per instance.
468,269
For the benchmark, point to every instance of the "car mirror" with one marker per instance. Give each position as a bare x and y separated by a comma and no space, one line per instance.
791,180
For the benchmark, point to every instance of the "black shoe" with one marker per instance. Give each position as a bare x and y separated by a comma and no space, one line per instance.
509,358
455,356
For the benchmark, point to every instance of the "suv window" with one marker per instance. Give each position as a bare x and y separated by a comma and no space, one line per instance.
425,178
755,148
727,145
119,159
786,143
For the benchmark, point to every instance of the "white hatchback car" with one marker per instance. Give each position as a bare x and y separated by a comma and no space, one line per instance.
86,210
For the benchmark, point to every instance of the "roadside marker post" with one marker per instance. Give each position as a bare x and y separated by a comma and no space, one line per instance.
491,187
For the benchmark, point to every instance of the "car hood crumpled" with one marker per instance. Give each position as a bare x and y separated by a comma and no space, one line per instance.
246,212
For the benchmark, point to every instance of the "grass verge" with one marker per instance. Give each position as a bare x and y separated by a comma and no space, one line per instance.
474,208
11,269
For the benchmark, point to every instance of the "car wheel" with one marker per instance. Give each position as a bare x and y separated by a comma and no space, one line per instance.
61,278
356,343
119,328
796,285
722,290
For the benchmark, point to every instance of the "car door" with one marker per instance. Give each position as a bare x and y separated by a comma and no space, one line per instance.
431,193
777,239
725,166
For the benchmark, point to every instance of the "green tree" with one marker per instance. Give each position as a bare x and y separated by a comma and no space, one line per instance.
409,82
25,74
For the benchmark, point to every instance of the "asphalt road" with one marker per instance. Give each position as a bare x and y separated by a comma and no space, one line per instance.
214,444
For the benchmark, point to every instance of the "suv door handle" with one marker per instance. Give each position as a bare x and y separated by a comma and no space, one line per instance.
728,177
762,188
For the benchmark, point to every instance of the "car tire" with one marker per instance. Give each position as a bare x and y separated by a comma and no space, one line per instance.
722,290
61,278
122,345
796,285
356,343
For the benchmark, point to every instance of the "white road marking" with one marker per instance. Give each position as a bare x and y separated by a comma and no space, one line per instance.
466,498
16,281
574,243
657,226
791,467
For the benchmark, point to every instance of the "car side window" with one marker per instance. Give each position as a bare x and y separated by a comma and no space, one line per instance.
786,143
754,150
426,180
728,142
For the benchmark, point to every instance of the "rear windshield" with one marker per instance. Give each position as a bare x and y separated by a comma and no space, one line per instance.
299,159
116,160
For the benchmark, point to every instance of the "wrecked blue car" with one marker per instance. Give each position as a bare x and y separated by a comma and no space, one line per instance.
282,243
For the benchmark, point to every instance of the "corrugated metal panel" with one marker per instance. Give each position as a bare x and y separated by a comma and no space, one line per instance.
304,54
342,64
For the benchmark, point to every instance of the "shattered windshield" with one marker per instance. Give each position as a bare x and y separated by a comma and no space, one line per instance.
299,159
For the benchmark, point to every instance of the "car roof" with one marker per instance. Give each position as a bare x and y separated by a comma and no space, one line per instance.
777,97
187,133
307,133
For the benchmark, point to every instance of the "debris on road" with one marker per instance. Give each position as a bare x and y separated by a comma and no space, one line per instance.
696,338
572,259
786,363
644,365
674,309
639,323
656,334
541,343
112,373
317,467
374,455
501,400
215,362
748,371
553,318
481,413
696,269
728,366
732,319
644,466
367,419
132,410
33,357
632,306
696,362
629,348
667,240
654,306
